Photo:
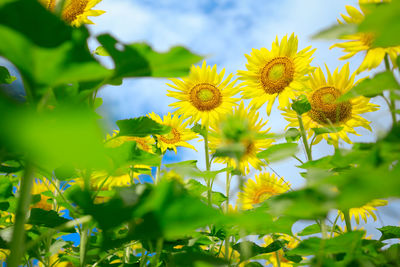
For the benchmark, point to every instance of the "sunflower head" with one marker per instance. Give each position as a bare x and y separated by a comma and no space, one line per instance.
365,211
243,127
279,72
75,12
39,187
179,134
327,110
144,143
364,41
203,96
284,262
265,186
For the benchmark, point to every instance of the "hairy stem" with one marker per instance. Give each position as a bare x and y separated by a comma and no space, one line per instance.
304,138
207,157
18,235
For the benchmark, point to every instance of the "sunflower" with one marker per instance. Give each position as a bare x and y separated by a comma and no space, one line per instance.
363,41
251,142
40,187
265,186
365,211
75,12
326,112
54,261
279,73
179,134
203,96
284,262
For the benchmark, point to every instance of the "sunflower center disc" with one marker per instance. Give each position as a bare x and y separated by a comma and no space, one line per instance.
263,194
324,108
172,137
205,97
74,9
277,74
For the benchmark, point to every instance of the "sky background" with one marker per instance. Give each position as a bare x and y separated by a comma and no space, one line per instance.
223,31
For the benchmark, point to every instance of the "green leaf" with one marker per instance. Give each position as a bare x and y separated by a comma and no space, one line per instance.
198,128
5,76
138,60
301,105
6,188
292,135
345,243
141,127
389,232
196,259
383,22
255,249
325,130
128,153
373,86
200,190
187,163
278,152
234,151
336,32
47,218
54,55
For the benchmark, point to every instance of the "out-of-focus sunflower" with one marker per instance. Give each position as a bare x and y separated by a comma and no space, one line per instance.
179,134
250,141
365,211
293,242
55,262
363,42
326,111
39,187
103,181
265,186
203,96
276,73
144,143
76,12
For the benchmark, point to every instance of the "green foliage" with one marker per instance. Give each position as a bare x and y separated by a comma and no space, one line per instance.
336,31
301,105
5,76
141,127
372,87
278,152
292,135
324,130
389,232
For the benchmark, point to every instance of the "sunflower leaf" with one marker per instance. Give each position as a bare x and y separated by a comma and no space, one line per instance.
372,87
278,152
141,127
292,135
336,31
324,130
5,77
301,105
389,232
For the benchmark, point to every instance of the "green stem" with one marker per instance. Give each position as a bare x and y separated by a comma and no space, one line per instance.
83,246
18,235
158,174
324,230
159,246
334,225
347,220
228,188
207,157
391,102
304,138
278,260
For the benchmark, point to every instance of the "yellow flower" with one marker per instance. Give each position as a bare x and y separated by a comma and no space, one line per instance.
278,73
325,111
293,242
144,143
265,186
365,211
39,188
360,42
179,134
76,12
252,143
4,253
204,95
55,262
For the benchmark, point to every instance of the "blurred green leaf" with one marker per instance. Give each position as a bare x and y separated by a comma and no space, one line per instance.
235,151
5,76
383,22
301,105
141,127
56,54
372,87
196,259
389,232
336,32
6,188
346,243
139,60
47,218
292,135
198,128
255,249
198,189
128,153
186,163
324,130
278,152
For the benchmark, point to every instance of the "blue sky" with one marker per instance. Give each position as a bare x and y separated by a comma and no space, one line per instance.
223,31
